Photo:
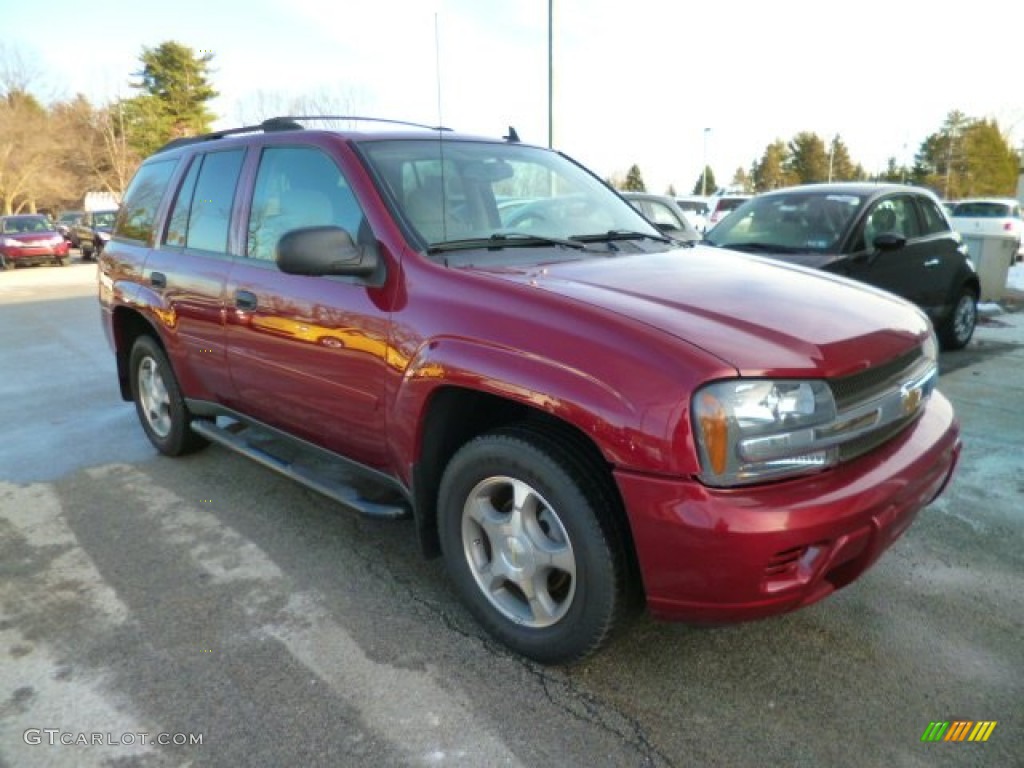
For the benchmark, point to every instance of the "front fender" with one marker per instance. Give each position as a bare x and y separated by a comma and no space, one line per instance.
568,394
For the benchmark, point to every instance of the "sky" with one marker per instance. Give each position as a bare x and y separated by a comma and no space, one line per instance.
661,84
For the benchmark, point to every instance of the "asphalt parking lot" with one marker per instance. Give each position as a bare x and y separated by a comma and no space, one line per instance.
147,603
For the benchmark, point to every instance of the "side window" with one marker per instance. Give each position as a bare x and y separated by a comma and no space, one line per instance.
177,226
298,187
214,194
893,215
934,223
141,200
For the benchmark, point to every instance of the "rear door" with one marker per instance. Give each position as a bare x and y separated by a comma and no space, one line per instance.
189,269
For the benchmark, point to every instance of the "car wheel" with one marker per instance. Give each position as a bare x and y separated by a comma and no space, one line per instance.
158,401
958,328
530,544
64,261
7,264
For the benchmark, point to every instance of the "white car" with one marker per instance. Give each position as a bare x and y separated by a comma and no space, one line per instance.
695,208
990,216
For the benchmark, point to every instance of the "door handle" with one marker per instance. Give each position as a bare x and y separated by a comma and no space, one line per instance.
158,279
245,300
932,263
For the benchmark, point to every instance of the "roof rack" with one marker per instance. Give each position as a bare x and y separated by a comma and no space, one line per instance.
287,123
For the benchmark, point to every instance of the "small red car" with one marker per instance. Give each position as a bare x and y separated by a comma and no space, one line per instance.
27,239
580,414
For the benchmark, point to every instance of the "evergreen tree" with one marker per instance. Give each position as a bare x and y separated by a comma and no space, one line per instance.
634,180
841,167
174,93
808,159
671,191
770,173
742,181
705,184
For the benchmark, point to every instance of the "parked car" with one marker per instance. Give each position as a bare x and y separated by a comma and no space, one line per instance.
93,232
27,239
579,415
892,236
663,212
721,205
991,216
696,209
66,223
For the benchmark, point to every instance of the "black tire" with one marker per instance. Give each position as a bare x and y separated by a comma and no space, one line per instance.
64,261
7,264
86,252
566,518
158,401
958,328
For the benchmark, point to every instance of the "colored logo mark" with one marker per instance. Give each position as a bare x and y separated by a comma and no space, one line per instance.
959,730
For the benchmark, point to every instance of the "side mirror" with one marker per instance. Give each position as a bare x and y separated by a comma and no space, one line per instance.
316,251
889,241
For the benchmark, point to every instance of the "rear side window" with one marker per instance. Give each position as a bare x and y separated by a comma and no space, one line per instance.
141,200
982,210
934,221
209,214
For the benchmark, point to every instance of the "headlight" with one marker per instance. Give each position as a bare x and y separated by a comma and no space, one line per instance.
104,236
10,242
56,240
751,430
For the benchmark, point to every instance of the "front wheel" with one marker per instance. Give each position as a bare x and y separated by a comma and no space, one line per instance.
530,543
162,411
958,328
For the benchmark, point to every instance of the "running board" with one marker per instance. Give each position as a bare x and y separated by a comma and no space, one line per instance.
243,439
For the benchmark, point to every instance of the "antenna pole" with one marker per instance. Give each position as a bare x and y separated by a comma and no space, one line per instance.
437,65
551,76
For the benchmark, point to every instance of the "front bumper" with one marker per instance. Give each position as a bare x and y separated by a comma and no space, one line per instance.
722,556
35,254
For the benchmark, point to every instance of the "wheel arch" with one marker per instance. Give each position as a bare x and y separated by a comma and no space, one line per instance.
455,415
128,324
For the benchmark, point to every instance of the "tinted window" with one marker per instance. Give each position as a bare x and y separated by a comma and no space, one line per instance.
982,210
210,213
135,221
934,221
298,187
177,226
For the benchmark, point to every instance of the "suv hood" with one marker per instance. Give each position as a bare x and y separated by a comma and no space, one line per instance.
760,316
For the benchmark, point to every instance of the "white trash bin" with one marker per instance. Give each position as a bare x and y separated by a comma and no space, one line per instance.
992,256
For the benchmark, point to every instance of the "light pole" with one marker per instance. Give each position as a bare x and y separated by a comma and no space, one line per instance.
704,169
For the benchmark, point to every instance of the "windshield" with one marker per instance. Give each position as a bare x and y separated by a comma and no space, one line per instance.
982,210
24,224
453,191
801,221
104,218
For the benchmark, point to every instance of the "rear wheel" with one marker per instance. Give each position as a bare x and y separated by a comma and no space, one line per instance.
158,401
958,328
6,264
530,544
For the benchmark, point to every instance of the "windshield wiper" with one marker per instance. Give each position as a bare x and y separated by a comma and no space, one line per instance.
621,234
758,247
505,240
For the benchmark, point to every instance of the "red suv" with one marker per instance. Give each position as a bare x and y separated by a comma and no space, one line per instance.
578,413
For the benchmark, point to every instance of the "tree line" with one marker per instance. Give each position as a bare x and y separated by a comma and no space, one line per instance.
52,154
965,157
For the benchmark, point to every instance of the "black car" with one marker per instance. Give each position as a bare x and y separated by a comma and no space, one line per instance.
66,224
93,232
892,236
